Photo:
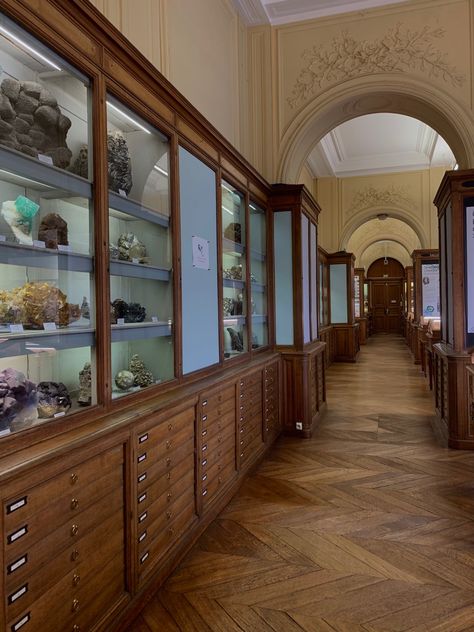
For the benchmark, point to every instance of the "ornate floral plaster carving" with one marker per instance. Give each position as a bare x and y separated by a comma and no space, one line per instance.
382,198
399,50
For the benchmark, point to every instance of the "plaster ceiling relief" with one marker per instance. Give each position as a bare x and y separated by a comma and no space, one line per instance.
400,50
383,198
256,12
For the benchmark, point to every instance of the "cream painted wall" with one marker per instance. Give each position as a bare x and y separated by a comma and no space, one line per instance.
200,46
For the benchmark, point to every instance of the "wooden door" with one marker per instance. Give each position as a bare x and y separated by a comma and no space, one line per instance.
386,309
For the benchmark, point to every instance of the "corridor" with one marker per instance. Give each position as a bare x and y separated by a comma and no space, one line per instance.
366,527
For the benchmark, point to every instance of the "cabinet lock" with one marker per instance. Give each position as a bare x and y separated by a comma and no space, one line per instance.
76,579
75,605
74,530
74,503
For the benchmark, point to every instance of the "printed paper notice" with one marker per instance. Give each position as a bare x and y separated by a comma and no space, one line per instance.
470,268
200,253
430,289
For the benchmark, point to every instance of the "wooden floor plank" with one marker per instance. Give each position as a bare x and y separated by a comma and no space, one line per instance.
366,527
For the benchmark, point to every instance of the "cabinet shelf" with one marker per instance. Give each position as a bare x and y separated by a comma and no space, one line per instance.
55,183
138,271
46,258
230,247
138,211
234,284
139,331
30,342
235,320
259,318
258,287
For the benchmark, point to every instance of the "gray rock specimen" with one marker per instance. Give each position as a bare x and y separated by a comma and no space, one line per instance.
85,386
143,377
18,399
53,398
53,231
124,380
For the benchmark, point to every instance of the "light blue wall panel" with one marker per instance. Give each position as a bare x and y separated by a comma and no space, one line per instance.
283,278
338,288
199,287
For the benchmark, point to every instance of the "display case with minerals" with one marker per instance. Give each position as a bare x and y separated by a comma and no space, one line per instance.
258,276
47,306
141,291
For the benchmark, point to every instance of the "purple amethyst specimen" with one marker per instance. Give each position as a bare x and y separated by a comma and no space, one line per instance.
18,399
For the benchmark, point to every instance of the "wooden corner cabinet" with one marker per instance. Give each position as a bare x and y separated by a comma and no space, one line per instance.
341,306
153,348
451,356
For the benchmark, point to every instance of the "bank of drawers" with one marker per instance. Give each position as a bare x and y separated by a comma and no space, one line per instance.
64,564
271,414
164,487
215,443
250,417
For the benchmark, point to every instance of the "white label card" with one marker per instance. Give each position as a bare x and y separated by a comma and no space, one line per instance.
64,248
16,329
3,238
135,260
200,252
61,414
49,326
120,321
122,193
37,243
154,319
46,159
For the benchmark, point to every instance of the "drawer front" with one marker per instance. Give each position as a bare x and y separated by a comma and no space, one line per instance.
210,413
218,483
247,438
212,400
153,453
227,459
245,406
161,467
38,549
216,440
226,447
165,429
250,451
62,488
214,426
154,496
251,391
250,380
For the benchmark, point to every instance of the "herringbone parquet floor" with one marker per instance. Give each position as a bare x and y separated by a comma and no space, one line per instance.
366,527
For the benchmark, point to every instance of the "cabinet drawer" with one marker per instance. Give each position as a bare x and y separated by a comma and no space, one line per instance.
107,546
180,477
251,450
213,399
216,440
226,447
165,429
63,487
150,455
250,380
57,608
251,391
211,413
271,370
214,426
37,546
162,466
249,436
250,413
245,406
152,554
218,483
216,469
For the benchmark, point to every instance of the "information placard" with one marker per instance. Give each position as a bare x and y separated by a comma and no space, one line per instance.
430,289
470,273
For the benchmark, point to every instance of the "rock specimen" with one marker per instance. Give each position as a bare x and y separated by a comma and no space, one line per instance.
234,232
236,338
130,312
113,251
37,303
32,122
53,398
235,272
124,380
228,306
143,377
85,386
120,166
53,231
80,165
85,308
18,399
130,247
18,215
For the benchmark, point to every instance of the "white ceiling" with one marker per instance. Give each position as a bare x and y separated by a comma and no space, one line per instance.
277,12
379,143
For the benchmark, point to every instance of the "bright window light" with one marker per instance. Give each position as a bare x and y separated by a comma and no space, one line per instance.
27,47
128,118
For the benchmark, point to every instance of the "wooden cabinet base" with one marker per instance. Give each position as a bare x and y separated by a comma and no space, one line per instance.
346,342
362,322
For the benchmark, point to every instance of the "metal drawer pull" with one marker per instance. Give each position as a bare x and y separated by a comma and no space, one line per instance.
74,555
143,438
204,477
141,458
142,517
168,462
168,444
17,594
17,504
142,537
75,605
204,462
76,579
204,418
142,477
74,530
74,503
74,478
19,624
204,447
170,427
204,493
19,533
142,498
21,561
168,496
144,557
204,433
204,402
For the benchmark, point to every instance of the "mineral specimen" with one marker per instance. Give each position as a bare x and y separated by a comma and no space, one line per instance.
119,309
130,312
85,308
53,398
120,166
234,232
227,306
37,303
143,377
18,399
32,122
53,231
18,215
124,380
80,165
130,247
113,251
85,386
235,272
237,340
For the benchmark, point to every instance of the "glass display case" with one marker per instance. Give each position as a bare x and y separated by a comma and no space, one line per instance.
258,276
141,290
323,290
357,297
47,306
234,271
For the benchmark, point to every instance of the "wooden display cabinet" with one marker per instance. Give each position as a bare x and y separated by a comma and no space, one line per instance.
359,304
455,203
295,217
426,300
341,307
408,303
325,327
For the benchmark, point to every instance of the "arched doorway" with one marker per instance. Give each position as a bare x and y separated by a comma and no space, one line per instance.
385,277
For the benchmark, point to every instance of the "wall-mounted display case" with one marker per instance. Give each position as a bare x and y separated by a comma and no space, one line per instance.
258,276
341,306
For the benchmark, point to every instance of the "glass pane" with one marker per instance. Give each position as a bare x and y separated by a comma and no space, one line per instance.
45,114
234,272
47,299
258,276
357,297
141,289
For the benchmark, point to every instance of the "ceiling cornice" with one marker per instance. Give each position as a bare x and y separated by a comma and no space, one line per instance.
252,12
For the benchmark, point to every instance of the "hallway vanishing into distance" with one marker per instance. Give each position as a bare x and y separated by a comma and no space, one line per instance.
368,526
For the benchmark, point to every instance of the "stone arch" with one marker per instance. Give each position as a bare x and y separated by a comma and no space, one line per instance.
369,95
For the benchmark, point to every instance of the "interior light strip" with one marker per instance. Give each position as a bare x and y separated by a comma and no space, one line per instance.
161,170
29,48
226,209
128,118
227,188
